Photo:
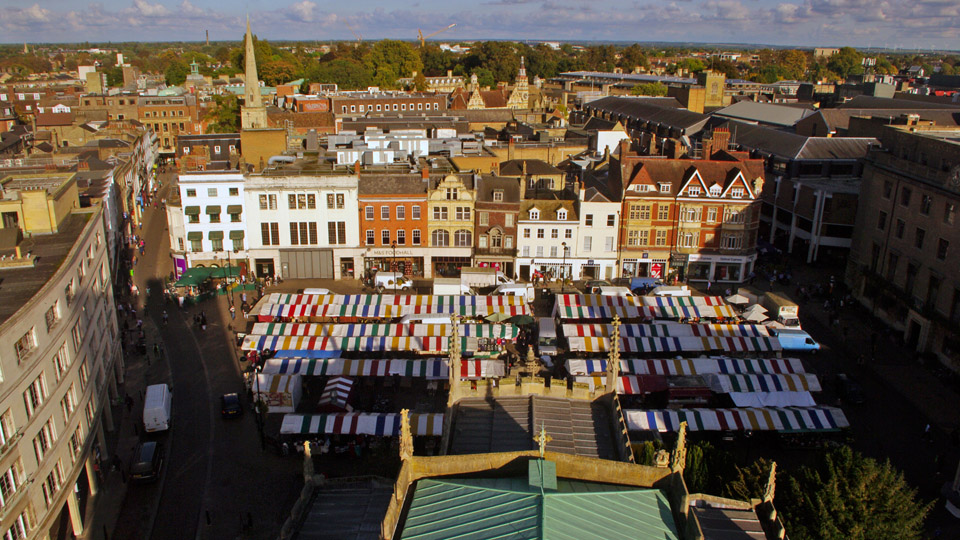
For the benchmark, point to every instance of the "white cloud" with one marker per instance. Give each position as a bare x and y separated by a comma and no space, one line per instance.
304,10
149,10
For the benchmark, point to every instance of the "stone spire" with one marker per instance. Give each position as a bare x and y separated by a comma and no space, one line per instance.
523,70
254,114
454,370
679,457
613,359
771,488
406,435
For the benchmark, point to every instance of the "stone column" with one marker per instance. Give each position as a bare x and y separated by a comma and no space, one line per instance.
73,504
108,414
91,475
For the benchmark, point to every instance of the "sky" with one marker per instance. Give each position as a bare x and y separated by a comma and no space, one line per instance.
905,24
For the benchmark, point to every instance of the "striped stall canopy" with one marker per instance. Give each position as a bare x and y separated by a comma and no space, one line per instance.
628,384
417,344
666,330
434,368
287,311
742,419
682,301
394,300
689,366
594,306
725,384
336,392
675,344
351,423
605,312
505,331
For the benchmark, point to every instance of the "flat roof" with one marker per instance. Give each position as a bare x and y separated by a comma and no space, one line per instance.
19,285
51,183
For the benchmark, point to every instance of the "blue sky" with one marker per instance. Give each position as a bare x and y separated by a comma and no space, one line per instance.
862,23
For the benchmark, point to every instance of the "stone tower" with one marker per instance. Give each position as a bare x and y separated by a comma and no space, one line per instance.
520,96
253,115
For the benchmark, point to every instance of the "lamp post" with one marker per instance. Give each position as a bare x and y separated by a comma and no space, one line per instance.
563,268
229,291
394,263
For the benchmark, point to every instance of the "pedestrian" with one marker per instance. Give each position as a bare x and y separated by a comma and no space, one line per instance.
233,312
927,434
140,324
156,350
709,285
165,317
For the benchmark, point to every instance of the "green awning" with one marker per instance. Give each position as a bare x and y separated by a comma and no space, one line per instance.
191,210
234,208
215,235
194,236
215,209
236,235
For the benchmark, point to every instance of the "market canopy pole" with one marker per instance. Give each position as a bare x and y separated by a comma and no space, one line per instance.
454,372
613,360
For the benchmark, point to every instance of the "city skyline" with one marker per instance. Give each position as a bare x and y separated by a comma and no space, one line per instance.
924,25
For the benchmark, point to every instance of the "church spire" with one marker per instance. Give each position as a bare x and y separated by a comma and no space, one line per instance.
251,83
523,70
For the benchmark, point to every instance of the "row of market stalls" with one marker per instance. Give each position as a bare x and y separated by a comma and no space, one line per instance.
343,338
736,363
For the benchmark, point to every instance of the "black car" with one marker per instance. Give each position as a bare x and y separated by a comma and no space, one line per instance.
147,461
230,405
849,390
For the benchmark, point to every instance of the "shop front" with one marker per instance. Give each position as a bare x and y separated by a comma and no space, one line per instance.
719,268
406,261
448,266
644,266
550,269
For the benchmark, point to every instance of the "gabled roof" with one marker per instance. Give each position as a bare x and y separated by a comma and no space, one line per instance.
493,99
548,209
489,183
763,113
649,111
514,167
680,172
50,119
836,119
792,146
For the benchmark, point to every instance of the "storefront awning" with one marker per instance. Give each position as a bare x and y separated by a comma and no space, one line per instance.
215,235
191,210
214,209
234,209
194,236
236,235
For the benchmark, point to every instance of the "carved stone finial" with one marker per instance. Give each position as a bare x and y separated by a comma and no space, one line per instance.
542,439
680,451
757,186
406,435
453,348
661,459
771,489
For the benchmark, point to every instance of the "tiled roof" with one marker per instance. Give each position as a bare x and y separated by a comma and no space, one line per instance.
489,183
678,171
46,119
643,109
514,167
493,99
392,184
548,209
793,146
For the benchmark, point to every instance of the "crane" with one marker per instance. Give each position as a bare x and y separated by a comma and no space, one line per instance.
354,32
423,38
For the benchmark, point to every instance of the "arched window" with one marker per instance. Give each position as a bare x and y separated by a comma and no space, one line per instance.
440,238
462,238
496,238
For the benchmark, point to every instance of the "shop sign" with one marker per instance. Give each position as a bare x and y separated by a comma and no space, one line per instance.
390,253
731,259
656,270
679,258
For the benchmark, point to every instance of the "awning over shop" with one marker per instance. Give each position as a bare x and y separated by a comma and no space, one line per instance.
191,210
433,368
215,235
628,384
193,277
788,419
772,399
504,331
381,424
193,236
213,209
236,235
234,209
592,306
667,330
689,366
382,311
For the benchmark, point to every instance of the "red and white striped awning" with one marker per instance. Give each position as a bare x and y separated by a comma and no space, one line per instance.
336,393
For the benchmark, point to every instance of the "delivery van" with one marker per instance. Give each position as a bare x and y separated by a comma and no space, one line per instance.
547,340
671,290
515,289
427,318
622,292
451,286
794,339
391,281
156,408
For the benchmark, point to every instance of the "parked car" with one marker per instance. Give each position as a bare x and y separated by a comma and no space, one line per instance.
230,405
849,390
147,462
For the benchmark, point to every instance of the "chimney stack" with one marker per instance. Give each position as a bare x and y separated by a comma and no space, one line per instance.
424,173
356,167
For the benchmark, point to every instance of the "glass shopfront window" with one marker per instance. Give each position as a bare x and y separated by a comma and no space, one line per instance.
727,272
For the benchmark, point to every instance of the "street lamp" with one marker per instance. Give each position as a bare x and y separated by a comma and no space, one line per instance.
394,263
563,268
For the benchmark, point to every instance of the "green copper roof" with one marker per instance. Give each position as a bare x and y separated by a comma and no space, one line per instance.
510,509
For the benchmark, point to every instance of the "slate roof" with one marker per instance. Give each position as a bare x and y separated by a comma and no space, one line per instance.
644,109
510,509
678,171
764,113
727,523
840,118
514,167
346,510
508,424
392,184
489,183
870,102
792,146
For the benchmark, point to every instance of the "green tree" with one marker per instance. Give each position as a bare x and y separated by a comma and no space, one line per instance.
632,57
420,82
277,72
347,74
696,473
485,78
749,482
436,62
846,496
846,62
793,64
225,116
176,73
115,76
649,89
390,59
501,59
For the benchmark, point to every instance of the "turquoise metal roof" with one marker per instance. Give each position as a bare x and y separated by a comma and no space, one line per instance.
510,509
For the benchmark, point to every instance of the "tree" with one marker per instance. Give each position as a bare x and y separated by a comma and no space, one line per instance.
347,74
793,64
390,59
847,496
115,76
420,82
499,58
176,73
277,72
632,57
649,89
485,78
436,62
846,62
225,117
749,482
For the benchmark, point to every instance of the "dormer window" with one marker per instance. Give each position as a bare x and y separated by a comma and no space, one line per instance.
693,191
534,214
561,214
715,190
664,188
737,193
498,195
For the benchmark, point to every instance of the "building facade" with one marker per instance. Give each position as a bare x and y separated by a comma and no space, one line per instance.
450,225
547,237
595,254
62,358
498,206
393,224
170,116
904,258
213,221
382,102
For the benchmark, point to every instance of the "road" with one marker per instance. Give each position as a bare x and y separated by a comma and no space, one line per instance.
217,479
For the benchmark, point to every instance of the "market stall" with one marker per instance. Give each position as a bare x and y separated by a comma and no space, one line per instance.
352,423
784,419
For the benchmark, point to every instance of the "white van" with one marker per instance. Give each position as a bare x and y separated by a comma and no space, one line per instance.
671,290
427,318
442,286
547,341
794,339
622,292
156,408
316,290
515,289
391,281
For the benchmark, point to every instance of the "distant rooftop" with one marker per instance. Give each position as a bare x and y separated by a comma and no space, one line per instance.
51,183
18,285
634,77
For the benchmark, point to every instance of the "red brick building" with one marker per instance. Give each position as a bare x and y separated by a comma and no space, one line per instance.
496,208
393,222
693,218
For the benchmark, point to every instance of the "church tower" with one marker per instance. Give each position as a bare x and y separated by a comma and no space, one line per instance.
520,96
253,115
